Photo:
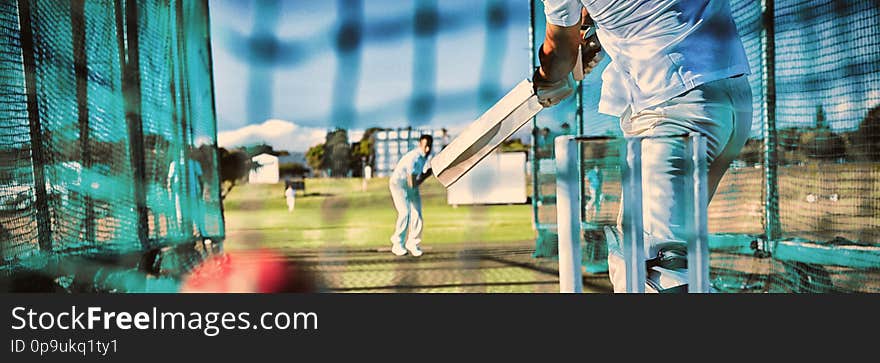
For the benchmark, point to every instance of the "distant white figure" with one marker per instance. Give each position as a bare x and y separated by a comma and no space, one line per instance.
290,193
368,173
594,176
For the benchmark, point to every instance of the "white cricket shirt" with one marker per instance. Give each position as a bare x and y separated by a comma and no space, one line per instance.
411,163
659,49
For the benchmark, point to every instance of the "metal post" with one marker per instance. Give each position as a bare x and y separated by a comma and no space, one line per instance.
771,188
633,232
579,130
127,38
80,60
535,130
568,206
698,244
215,185
38,156
183,110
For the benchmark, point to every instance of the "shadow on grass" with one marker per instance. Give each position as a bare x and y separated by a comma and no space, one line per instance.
317,194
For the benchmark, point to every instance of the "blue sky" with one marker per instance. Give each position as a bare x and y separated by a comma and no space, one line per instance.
311,85
294,94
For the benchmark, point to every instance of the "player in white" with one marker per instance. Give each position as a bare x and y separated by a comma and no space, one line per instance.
290,195
411,170
594,188
677,66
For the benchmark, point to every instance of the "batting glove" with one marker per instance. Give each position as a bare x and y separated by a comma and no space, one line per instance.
551,93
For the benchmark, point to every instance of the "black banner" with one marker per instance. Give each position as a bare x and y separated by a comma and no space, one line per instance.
332,327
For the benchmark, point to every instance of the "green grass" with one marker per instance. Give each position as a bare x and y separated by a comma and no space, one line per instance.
340,213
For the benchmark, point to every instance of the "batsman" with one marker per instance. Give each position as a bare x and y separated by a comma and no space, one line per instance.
676,67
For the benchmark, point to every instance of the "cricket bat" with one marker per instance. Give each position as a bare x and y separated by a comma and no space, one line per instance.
486,133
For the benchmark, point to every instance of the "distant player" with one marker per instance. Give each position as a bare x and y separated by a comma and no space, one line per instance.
594,187
677,67
404,183
290,194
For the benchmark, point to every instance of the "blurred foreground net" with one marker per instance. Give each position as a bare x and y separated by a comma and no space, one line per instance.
108,134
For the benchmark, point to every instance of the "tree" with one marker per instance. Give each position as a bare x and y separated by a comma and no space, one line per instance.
234,166
865,141
293,169
515,144
365,146
262,148
788,146
822,144
753,152
362,152
821,122
337,153
315,158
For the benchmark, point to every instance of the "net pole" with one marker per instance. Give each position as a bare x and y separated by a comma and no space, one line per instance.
80,57
771,185
44,230
633,235
568,206
183,115
215,185
127,32
533,65
579,129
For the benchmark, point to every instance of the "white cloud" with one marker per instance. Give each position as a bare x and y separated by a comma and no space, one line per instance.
282,135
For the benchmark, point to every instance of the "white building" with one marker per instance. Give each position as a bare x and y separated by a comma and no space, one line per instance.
500,178
266,171
391,144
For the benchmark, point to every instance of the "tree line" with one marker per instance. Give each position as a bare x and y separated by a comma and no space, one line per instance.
798,145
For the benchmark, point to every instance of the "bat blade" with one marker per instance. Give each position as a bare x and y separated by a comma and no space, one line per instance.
486,133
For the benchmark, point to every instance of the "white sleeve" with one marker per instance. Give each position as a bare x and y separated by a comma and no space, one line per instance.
562,12
404,165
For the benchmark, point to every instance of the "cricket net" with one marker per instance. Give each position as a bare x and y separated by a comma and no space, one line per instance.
799,211
108,131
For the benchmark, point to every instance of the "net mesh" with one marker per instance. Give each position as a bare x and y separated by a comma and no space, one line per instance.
827,104
819,123
560,120
89,103
108,139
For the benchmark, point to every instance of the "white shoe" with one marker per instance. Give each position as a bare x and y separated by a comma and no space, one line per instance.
397,250
414,250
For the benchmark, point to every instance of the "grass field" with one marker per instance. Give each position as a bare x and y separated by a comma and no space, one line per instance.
340,213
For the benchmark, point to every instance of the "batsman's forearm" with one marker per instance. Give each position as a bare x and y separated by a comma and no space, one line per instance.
421,178
558,54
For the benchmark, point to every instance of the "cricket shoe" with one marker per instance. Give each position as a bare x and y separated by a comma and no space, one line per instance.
397,250
415,251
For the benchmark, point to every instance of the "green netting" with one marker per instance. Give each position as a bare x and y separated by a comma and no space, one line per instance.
827,108
108,128
560,120
800,210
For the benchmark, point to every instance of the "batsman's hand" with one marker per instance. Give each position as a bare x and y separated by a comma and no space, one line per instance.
590,52
551,93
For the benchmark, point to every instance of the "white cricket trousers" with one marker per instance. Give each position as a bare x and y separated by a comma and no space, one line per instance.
291,203
721,111
408,203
